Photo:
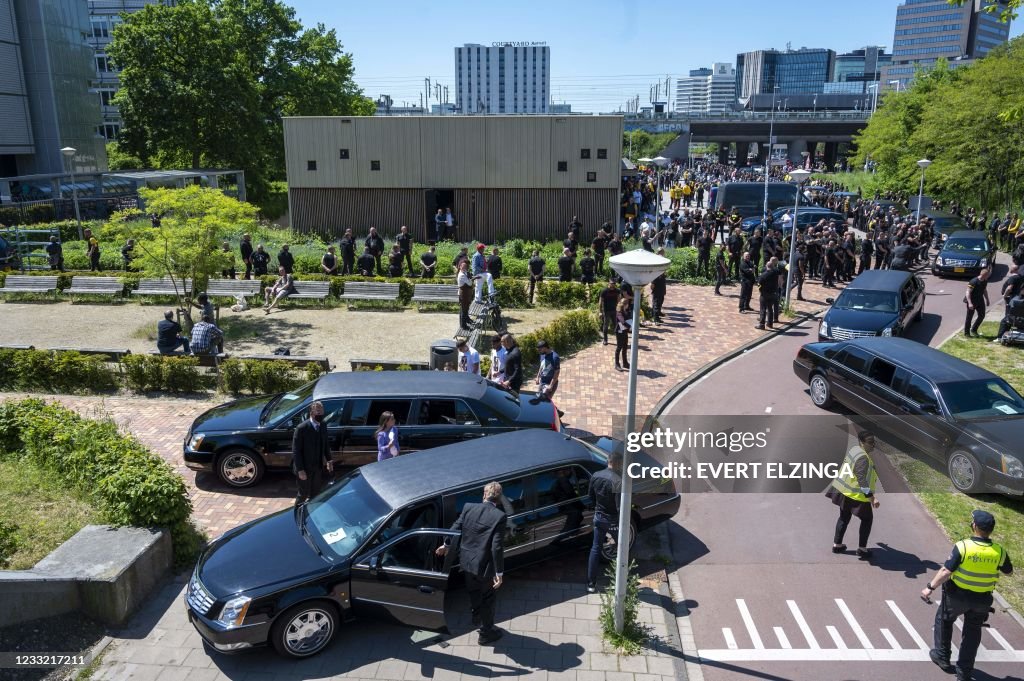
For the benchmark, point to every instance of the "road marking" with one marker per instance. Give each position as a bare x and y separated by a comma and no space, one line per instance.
730,640
767,410
836,638
1000,640
906,625
755,638
850,655
781,635
893,643
802,623
865,642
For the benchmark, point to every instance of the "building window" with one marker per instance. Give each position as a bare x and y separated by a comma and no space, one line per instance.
563,166
343,153
100,27
103,64
591,176
602,153
374,165
106,97
310,165
584,153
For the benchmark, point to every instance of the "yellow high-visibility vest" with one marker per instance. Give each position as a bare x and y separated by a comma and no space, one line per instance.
979,565
848,484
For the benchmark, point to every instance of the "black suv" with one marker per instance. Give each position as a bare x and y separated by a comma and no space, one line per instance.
241,439
366,545
964,416
876,303
964,254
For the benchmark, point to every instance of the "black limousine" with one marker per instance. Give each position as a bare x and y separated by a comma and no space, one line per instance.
875,303
365,546
240,440
966,417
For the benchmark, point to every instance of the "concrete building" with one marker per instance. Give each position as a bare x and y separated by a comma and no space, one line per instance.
858,70
929,30
45,104
503,78
707,90
804,71
104,16
502,176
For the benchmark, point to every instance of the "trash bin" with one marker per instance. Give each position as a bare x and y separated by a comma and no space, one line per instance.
443,352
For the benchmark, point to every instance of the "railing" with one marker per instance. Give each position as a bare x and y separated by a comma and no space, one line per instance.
854,115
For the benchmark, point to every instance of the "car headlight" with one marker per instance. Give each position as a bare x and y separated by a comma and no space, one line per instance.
887,331
1011,466
234,612
939,261
196,441
823,330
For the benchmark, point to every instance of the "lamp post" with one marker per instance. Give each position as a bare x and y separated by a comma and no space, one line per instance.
768,166
799,176
815,110
897,83
69,154
637,268
807,160
660,162
874,99
646,161
923,165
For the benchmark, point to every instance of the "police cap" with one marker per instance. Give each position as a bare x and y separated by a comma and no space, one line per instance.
984,520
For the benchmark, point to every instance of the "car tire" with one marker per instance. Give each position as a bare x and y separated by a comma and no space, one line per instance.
964,472
609,552
304,629
240,468
821,391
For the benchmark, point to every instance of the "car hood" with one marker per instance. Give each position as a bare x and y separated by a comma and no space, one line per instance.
535,413
267,553
860,320
243,414
1001,434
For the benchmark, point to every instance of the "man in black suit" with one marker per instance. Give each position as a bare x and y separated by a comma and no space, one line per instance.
311,454
482,557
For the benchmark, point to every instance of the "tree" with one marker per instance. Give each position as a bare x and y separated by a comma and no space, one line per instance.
1006,9
187,244
118,159
207,82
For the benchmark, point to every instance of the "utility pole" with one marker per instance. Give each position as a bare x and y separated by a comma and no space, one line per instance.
426,98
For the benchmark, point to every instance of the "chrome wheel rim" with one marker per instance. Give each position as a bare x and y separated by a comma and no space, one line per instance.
238,469
819,391
961,471
308,632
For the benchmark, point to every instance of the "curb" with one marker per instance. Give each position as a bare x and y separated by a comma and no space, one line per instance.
94,654
703,371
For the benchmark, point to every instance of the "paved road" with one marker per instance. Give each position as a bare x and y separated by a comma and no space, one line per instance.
767,598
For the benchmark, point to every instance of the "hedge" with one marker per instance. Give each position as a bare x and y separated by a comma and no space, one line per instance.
264,377
129,484
63,372
567,334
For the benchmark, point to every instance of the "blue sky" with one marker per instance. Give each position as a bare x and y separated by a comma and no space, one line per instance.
603,52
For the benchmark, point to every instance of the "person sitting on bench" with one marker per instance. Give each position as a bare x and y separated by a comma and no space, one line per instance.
207,339
169,336
282,288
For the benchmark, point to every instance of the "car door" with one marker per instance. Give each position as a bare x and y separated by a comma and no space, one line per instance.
359,422
519,532
847,374
276,442
404,580
919,413
562,514
443,421
883,400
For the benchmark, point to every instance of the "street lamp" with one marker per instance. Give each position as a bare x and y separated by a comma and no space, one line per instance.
874,100
69,154
638,268
923,165
897,83
798,176
815,111
768,165
660,162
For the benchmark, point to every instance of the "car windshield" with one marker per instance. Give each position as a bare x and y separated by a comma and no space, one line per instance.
502,400
286,402
966,245
985,398
346,514
876,301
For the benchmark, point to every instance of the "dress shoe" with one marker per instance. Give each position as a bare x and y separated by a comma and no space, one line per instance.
491,636
941,662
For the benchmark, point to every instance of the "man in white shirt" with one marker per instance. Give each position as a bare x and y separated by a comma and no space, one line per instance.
497,372
469,358
787,221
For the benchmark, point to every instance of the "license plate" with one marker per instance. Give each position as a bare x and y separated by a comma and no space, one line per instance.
958,270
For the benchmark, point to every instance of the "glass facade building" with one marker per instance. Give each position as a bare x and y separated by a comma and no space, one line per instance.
803,71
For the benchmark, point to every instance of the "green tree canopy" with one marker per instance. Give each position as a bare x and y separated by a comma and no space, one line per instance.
207,82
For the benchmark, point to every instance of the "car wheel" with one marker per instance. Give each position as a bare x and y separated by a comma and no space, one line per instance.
240,468
821,391
609,551
305,629
964,472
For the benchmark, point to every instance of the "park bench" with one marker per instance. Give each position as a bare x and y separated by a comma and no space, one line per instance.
311,290
17,283
435,293
229,288
162,287
17,347
96,286
368,290
109,354
298,360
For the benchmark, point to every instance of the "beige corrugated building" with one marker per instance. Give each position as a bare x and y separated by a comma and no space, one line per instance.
502,176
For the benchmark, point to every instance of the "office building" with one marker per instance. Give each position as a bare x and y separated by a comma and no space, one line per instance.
104,16
45,103
503,79
705,90
803,71
929,30
858,71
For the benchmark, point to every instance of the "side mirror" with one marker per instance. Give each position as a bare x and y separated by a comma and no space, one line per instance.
930,408
830,301
374,563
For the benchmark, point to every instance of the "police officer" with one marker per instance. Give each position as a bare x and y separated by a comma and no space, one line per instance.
768,283
967,581
747,277
854,494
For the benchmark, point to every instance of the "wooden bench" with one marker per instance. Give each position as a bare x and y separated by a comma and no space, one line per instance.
162,287
483,318
298,360
387,364
435,293
17,347
311,290
369,290
110,354
18,283
229,288
95,286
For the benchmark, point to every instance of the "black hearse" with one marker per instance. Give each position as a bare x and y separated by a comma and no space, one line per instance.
876,303
365,546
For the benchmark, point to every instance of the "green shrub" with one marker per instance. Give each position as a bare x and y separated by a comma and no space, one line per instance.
144,373
564,295
182,375
264,377
39,212
129,484
9,216
512,293
8,542
232,377
314,371
567,334
66,372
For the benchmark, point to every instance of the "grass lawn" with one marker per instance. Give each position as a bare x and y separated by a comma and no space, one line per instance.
953,509
45,513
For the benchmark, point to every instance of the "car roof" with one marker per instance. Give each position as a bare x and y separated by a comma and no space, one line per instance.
967,234
929,213
411,477
391,383
919,358
879,280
